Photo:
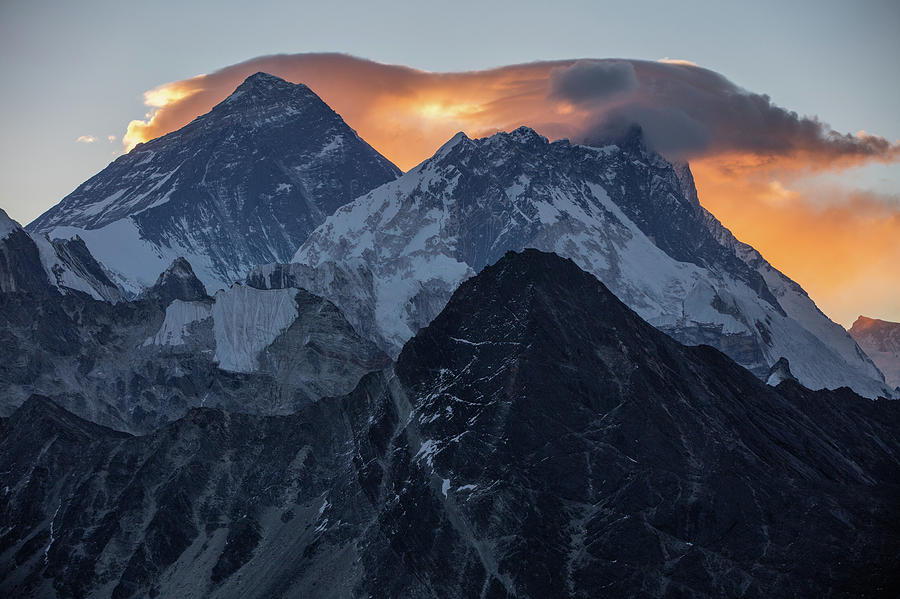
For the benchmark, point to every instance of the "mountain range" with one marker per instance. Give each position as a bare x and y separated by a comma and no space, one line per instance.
136,365
537,439
391,259
252,359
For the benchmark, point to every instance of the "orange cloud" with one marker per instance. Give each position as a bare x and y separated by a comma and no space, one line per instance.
86,139
685,110
748,154
680,61
842,245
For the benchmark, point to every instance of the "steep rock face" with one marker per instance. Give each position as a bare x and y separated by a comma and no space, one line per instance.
178,282
391,259
242,185
20,262
800,307
780,371
563,446
136,365
34,264
182,512
880,339
537,439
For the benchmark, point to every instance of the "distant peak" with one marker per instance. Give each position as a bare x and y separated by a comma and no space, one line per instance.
264,86
265,78
180,268
526,135
780,371
7,225
178,282
864,322
523,135
459,138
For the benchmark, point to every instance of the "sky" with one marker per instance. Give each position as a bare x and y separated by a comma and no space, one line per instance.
80,71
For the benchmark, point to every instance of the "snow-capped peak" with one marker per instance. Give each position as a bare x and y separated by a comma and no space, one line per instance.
263,87
242,185
459,139
620,212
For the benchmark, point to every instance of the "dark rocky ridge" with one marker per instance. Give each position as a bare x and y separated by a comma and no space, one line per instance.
97,359
67,265
21,268
178,282
538,439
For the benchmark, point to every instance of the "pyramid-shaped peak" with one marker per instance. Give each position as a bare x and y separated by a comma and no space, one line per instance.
780,371
458,140
178,282
261,79
265,86
7,225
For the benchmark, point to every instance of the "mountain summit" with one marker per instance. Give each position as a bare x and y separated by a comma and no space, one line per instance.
881,341
392,258
241,185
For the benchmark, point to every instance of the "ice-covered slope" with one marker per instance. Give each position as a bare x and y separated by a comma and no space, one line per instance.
391,259
241,185
32,263
881,341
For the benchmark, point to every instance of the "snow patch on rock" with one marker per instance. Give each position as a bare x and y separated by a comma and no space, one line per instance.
246,321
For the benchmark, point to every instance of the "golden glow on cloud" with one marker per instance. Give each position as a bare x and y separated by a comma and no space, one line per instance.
842,246
140,131
685,63
749,156
166,94
86,139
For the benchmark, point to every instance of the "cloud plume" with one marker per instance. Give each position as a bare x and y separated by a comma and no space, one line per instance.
685,111
749,154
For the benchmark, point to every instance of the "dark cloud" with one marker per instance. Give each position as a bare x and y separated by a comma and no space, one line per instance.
592,81
685,111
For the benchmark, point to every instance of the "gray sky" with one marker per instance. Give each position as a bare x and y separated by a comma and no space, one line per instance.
73,69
